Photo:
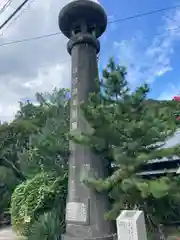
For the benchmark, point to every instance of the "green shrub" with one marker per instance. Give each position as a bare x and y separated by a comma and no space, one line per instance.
49,227
34,197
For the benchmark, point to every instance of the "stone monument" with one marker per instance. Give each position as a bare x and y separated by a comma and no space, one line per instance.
131,225
83,22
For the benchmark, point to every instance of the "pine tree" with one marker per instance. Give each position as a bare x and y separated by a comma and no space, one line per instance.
128,132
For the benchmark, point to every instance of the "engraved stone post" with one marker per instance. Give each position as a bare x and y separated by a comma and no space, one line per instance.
83,22
131,225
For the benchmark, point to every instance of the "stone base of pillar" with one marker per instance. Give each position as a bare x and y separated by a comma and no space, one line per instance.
67,237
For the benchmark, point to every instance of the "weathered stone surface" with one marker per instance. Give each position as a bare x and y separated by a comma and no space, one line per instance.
72,15
131,225
83,22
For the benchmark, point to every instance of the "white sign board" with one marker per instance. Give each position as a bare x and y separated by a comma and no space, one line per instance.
131,225
76,212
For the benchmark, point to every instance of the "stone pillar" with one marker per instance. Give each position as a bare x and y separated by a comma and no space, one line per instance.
131,225
83,22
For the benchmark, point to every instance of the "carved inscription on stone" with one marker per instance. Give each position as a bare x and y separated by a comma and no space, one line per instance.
74,71
74,91
72,146
131,225
74,76
74,80
74,102
74,126
74,113
84,173
76,212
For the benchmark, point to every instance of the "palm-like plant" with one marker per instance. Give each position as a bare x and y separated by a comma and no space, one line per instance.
48,227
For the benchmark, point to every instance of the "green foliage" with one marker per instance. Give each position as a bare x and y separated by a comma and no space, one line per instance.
8,183
37,138
34,197
49,147
48,227
128,131
44,162
126,127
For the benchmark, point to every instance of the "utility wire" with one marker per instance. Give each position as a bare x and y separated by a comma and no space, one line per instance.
5,6
13,14
17,17
144,14
110,22
98,57
30,39
58,33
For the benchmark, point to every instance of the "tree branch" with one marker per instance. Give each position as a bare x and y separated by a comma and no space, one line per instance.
5,162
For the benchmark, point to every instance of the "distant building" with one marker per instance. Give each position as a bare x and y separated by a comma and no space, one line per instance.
160,167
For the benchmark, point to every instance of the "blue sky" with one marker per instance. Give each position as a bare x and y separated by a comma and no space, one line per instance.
139,45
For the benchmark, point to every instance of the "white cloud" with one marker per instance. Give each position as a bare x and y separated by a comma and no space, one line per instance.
32,66
149,62
36,65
